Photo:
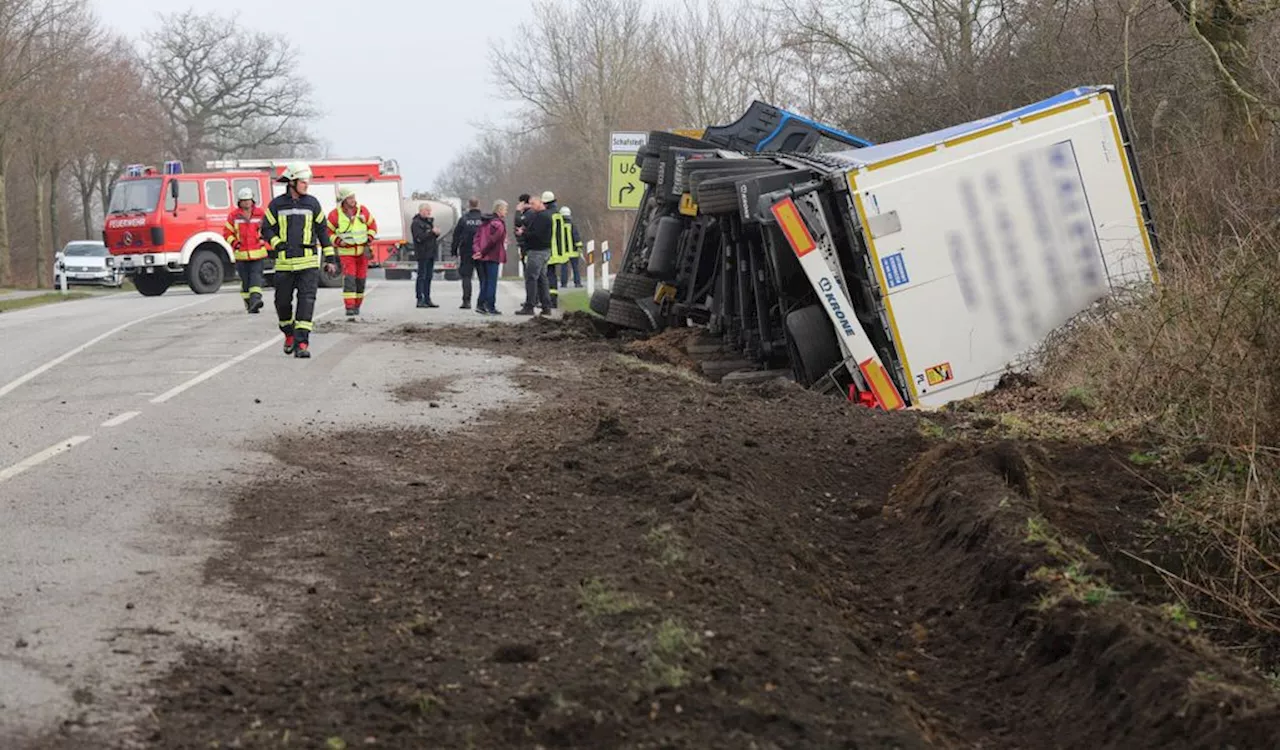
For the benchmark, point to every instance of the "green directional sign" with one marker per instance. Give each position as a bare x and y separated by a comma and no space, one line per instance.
625,188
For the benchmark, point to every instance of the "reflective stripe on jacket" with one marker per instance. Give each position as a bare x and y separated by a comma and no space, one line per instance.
243,233
294,227
561,240
352,233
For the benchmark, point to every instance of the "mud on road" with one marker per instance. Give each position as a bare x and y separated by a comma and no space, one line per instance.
643,559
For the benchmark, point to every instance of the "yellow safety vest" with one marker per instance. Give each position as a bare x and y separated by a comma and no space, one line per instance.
353,231
561,240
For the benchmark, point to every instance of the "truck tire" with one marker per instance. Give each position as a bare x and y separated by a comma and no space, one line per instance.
600,301
666,244
628,315
331,280
633,286
205,272
660,141
152,284
814,347
649,170
397,274
717,196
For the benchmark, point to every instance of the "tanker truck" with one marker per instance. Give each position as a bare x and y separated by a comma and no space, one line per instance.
400,264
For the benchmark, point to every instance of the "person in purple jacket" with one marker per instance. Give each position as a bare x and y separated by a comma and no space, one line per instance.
489,249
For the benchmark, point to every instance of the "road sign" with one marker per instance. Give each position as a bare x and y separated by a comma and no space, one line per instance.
625,189
627,143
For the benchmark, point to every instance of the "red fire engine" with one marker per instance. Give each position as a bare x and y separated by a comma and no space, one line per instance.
166,227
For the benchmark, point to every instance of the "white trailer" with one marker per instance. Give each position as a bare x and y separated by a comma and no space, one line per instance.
984,238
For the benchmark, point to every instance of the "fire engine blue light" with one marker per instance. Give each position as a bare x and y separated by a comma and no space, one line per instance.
173,167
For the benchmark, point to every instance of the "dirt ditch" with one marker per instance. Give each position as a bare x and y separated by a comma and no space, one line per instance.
644,560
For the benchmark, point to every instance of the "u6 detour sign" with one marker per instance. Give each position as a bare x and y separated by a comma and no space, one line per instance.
625,188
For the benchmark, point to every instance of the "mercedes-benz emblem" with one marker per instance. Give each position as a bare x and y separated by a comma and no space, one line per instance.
128,239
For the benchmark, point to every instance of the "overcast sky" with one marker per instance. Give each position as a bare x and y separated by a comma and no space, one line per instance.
423,64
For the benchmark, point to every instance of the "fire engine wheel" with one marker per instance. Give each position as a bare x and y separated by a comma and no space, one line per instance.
814,347
205,272
152,284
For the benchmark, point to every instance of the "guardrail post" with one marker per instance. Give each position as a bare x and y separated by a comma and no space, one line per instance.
606,278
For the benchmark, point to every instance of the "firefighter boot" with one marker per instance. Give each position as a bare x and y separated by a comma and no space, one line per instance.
255,303
288,344
303,350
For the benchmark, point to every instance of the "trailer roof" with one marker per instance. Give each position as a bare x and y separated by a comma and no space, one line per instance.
865,157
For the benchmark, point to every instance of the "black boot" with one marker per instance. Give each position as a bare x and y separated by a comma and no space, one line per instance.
302,350
255,304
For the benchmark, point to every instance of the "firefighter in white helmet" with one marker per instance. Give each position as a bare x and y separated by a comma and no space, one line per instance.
352,228
294,225
243,233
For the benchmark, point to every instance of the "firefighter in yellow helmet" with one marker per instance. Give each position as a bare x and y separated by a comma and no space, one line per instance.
353,228
294,226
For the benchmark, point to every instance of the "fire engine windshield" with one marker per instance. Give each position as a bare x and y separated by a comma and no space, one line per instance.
132,196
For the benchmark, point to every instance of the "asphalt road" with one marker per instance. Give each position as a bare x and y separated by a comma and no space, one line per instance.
127,423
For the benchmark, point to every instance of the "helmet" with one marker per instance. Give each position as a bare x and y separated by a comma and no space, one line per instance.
345,192
298,170
565,212
245,194
548,197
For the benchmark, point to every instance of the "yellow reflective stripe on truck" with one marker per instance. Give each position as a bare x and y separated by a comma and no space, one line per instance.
881,385
884,288
1133,189
788,216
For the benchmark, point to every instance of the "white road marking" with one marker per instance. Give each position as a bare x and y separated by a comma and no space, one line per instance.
214,371
42,369
120,419
41,457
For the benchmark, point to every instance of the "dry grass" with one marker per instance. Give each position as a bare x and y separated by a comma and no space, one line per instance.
1198,364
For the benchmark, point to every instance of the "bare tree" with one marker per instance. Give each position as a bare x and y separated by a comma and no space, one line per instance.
117,122
51,127
227,90
1225,28
25,27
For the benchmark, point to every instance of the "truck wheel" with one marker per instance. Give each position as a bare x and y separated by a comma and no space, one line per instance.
814,347
152,284
205,272
649,170
628,315
331,280
599,303
633,286
662,259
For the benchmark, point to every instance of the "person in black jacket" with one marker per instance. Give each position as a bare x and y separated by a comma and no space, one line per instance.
463,236
426,241
537,232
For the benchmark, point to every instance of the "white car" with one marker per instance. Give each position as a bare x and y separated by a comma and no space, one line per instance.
86,262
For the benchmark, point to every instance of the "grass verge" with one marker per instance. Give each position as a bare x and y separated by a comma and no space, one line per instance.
48,298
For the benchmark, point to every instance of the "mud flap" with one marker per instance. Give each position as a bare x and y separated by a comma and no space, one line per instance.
860,356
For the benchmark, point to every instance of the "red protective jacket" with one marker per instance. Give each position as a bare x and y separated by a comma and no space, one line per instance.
244,233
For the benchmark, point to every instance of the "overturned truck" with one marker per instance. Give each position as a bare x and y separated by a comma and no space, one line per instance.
901,274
